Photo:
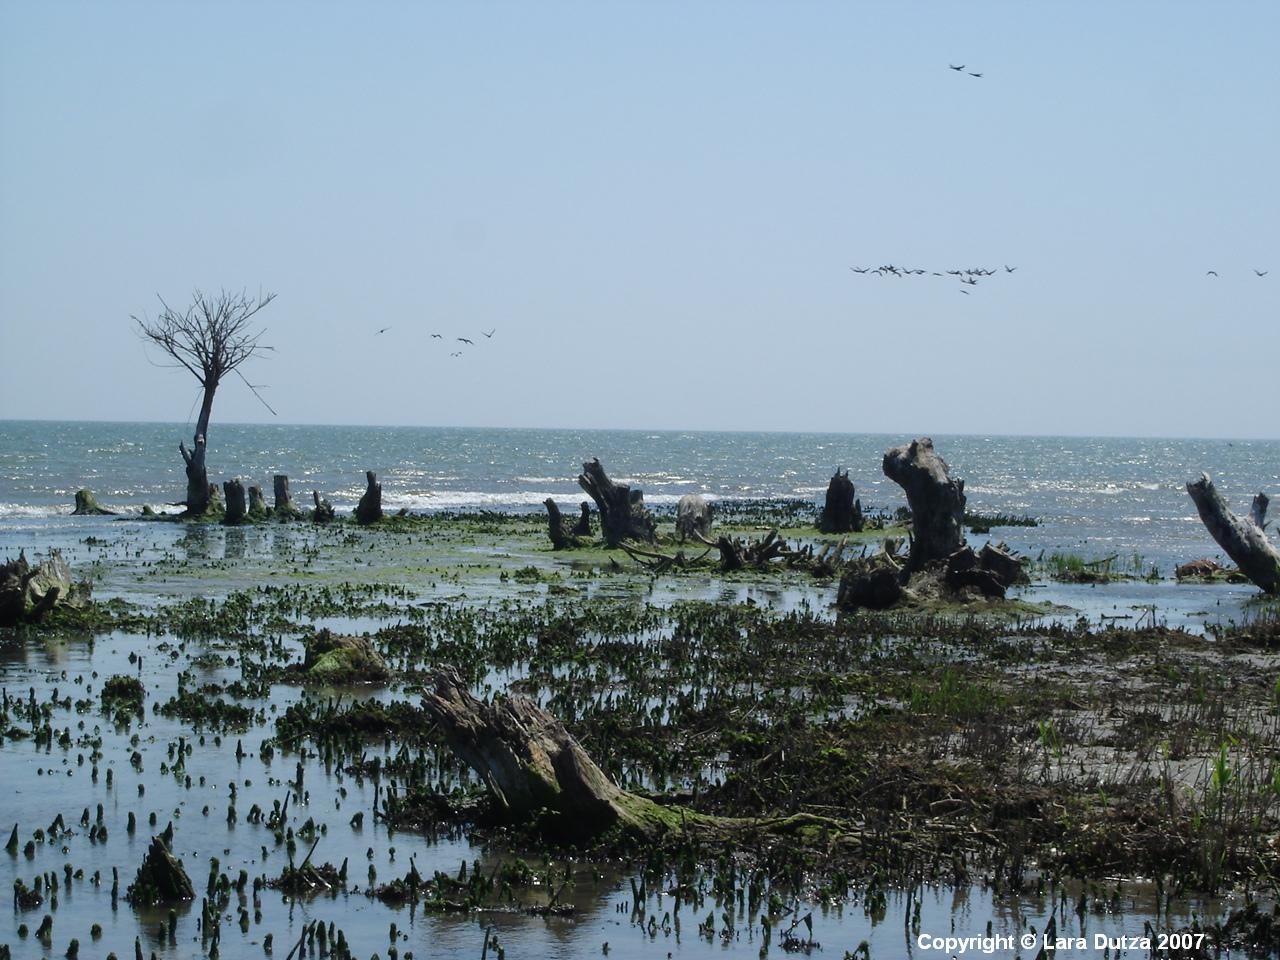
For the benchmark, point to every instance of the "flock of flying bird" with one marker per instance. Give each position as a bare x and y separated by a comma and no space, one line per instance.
487,334
969,277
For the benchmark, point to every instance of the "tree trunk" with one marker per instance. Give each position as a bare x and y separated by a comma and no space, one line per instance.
583,527
161,878
622,512
936,501
197,477
558,528
369,509
323,513
1243,538
87,505
284,508
530,762
841,513
233,491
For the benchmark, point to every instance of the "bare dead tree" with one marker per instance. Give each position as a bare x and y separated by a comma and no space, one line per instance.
210,339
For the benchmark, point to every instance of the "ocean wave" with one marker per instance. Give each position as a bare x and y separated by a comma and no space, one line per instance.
35,510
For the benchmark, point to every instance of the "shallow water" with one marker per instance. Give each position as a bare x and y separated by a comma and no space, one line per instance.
1094,497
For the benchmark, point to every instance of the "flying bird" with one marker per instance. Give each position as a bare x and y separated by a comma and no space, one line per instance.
965,292
382,331
456,353
1009,269
1211,273
465,340
489,333
954,67
437,336
972,74
856,270
1261,273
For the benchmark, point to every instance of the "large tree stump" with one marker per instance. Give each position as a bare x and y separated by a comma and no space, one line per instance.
622,512
28,592
841,513
87,505
529,762
560,529
284,506
693,516
197,501
369,509
936,501
233,490
1243,538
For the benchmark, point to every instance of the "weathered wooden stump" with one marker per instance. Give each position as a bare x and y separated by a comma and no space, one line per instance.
560,529
936,501
369,509
693,516
622,511
160,879
1243,538
323,512
257,504
284,508
233,490
87,505
583,527
841,512
872,583
28,592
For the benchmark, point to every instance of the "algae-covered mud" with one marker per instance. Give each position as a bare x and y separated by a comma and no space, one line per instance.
1093,760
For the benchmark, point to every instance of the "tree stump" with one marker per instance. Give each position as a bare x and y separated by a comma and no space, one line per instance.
284,506
257,505
693,516
622,512
841,513
161,878
369,509
936,501
583,527
233,490
559,529
323,512
1243,538
197,501
87,505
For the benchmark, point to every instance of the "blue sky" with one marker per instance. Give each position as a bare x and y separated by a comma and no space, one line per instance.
656,206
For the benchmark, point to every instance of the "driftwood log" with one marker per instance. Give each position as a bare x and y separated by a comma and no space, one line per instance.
233,491
841,512
622,511
369,509
530,763
991,570
535,770
1243,538
559,528
284,508
87,505
198,499
323,512
693,516
935,498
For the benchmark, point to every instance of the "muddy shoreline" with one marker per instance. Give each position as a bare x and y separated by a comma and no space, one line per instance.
1020,751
